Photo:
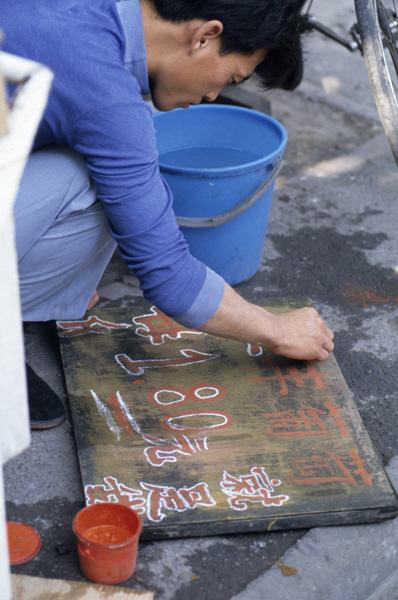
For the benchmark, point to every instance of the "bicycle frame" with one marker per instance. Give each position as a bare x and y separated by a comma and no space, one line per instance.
375,35
352,44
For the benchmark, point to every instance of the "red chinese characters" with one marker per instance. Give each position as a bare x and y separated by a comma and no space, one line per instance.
256,487
178,423
116,414
304,422
156,326
113,491
204,392
184,422
293,375
137,366
327,467
120,420
91,325
162,451
163,497
157,500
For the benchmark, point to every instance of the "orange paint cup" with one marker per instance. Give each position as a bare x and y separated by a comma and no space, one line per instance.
107,535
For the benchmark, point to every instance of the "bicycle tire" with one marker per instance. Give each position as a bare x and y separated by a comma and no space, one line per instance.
371,33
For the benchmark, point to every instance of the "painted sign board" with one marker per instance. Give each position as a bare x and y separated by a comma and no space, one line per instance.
205,436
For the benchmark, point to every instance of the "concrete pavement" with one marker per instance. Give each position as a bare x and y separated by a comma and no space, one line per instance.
353,562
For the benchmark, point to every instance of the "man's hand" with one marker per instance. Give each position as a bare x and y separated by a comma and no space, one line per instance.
299,333
303,334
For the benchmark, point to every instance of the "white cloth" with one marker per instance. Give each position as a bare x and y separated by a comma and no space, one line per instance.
14,149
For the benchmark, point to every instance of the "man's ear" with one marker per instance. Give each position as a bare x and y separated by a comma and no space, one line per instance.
205,33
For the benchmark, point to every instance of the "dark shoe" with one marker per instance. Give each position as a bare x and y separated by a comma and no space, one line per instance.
45,408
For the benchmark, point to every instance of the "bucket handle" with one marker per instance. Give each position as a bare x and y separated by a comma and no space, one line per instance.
196,222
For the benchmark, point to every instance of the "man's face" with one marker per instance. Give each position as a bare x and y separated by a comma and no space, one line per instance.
186,79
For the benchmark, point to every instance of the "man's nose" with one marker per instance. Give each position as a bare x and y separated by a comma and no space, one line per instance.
211,96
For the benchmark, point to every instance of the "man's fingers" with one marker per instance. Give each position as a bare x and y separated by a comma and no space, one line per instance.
305,336
328,346
329,332
322,355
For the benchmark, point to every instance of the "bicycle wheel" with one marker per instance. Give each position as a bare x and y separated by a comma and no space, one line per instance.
378,29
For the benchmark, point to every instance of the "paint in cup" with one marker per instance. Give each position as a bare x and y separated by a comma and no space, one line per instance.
107,538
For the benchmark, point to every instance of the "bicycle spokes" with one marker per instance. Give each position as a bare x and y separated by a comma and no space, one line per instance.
389,31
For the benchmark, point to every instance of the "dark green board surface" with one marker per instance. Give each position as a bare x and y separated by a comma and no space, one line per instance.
205,436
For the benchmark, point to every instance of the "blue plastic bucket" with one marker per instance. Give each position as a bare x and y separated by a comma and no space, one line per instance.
221,163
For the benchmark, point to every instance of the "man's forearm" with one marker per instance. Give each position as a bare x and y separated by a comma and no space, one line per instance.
300,334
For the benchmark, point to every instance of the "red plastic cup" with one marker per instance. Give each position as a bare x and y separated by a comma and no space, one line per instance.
107,535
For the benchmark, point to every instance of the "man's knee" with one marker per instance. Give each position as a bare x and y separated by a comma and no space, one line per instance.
56,177
55,185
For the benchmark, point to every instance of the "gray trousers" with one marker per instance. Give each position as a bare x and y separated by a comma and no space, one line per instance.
62,236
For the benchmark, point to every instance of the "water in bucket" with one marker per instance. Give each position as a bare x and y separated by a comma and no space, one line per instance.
204,157
214,158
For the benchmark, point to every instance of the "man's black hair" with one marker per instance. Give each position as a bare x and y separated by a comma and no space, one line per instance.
250,25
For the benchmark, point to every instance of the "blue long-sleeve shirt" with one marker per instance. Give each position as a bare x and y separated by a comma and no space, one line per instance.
97,53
